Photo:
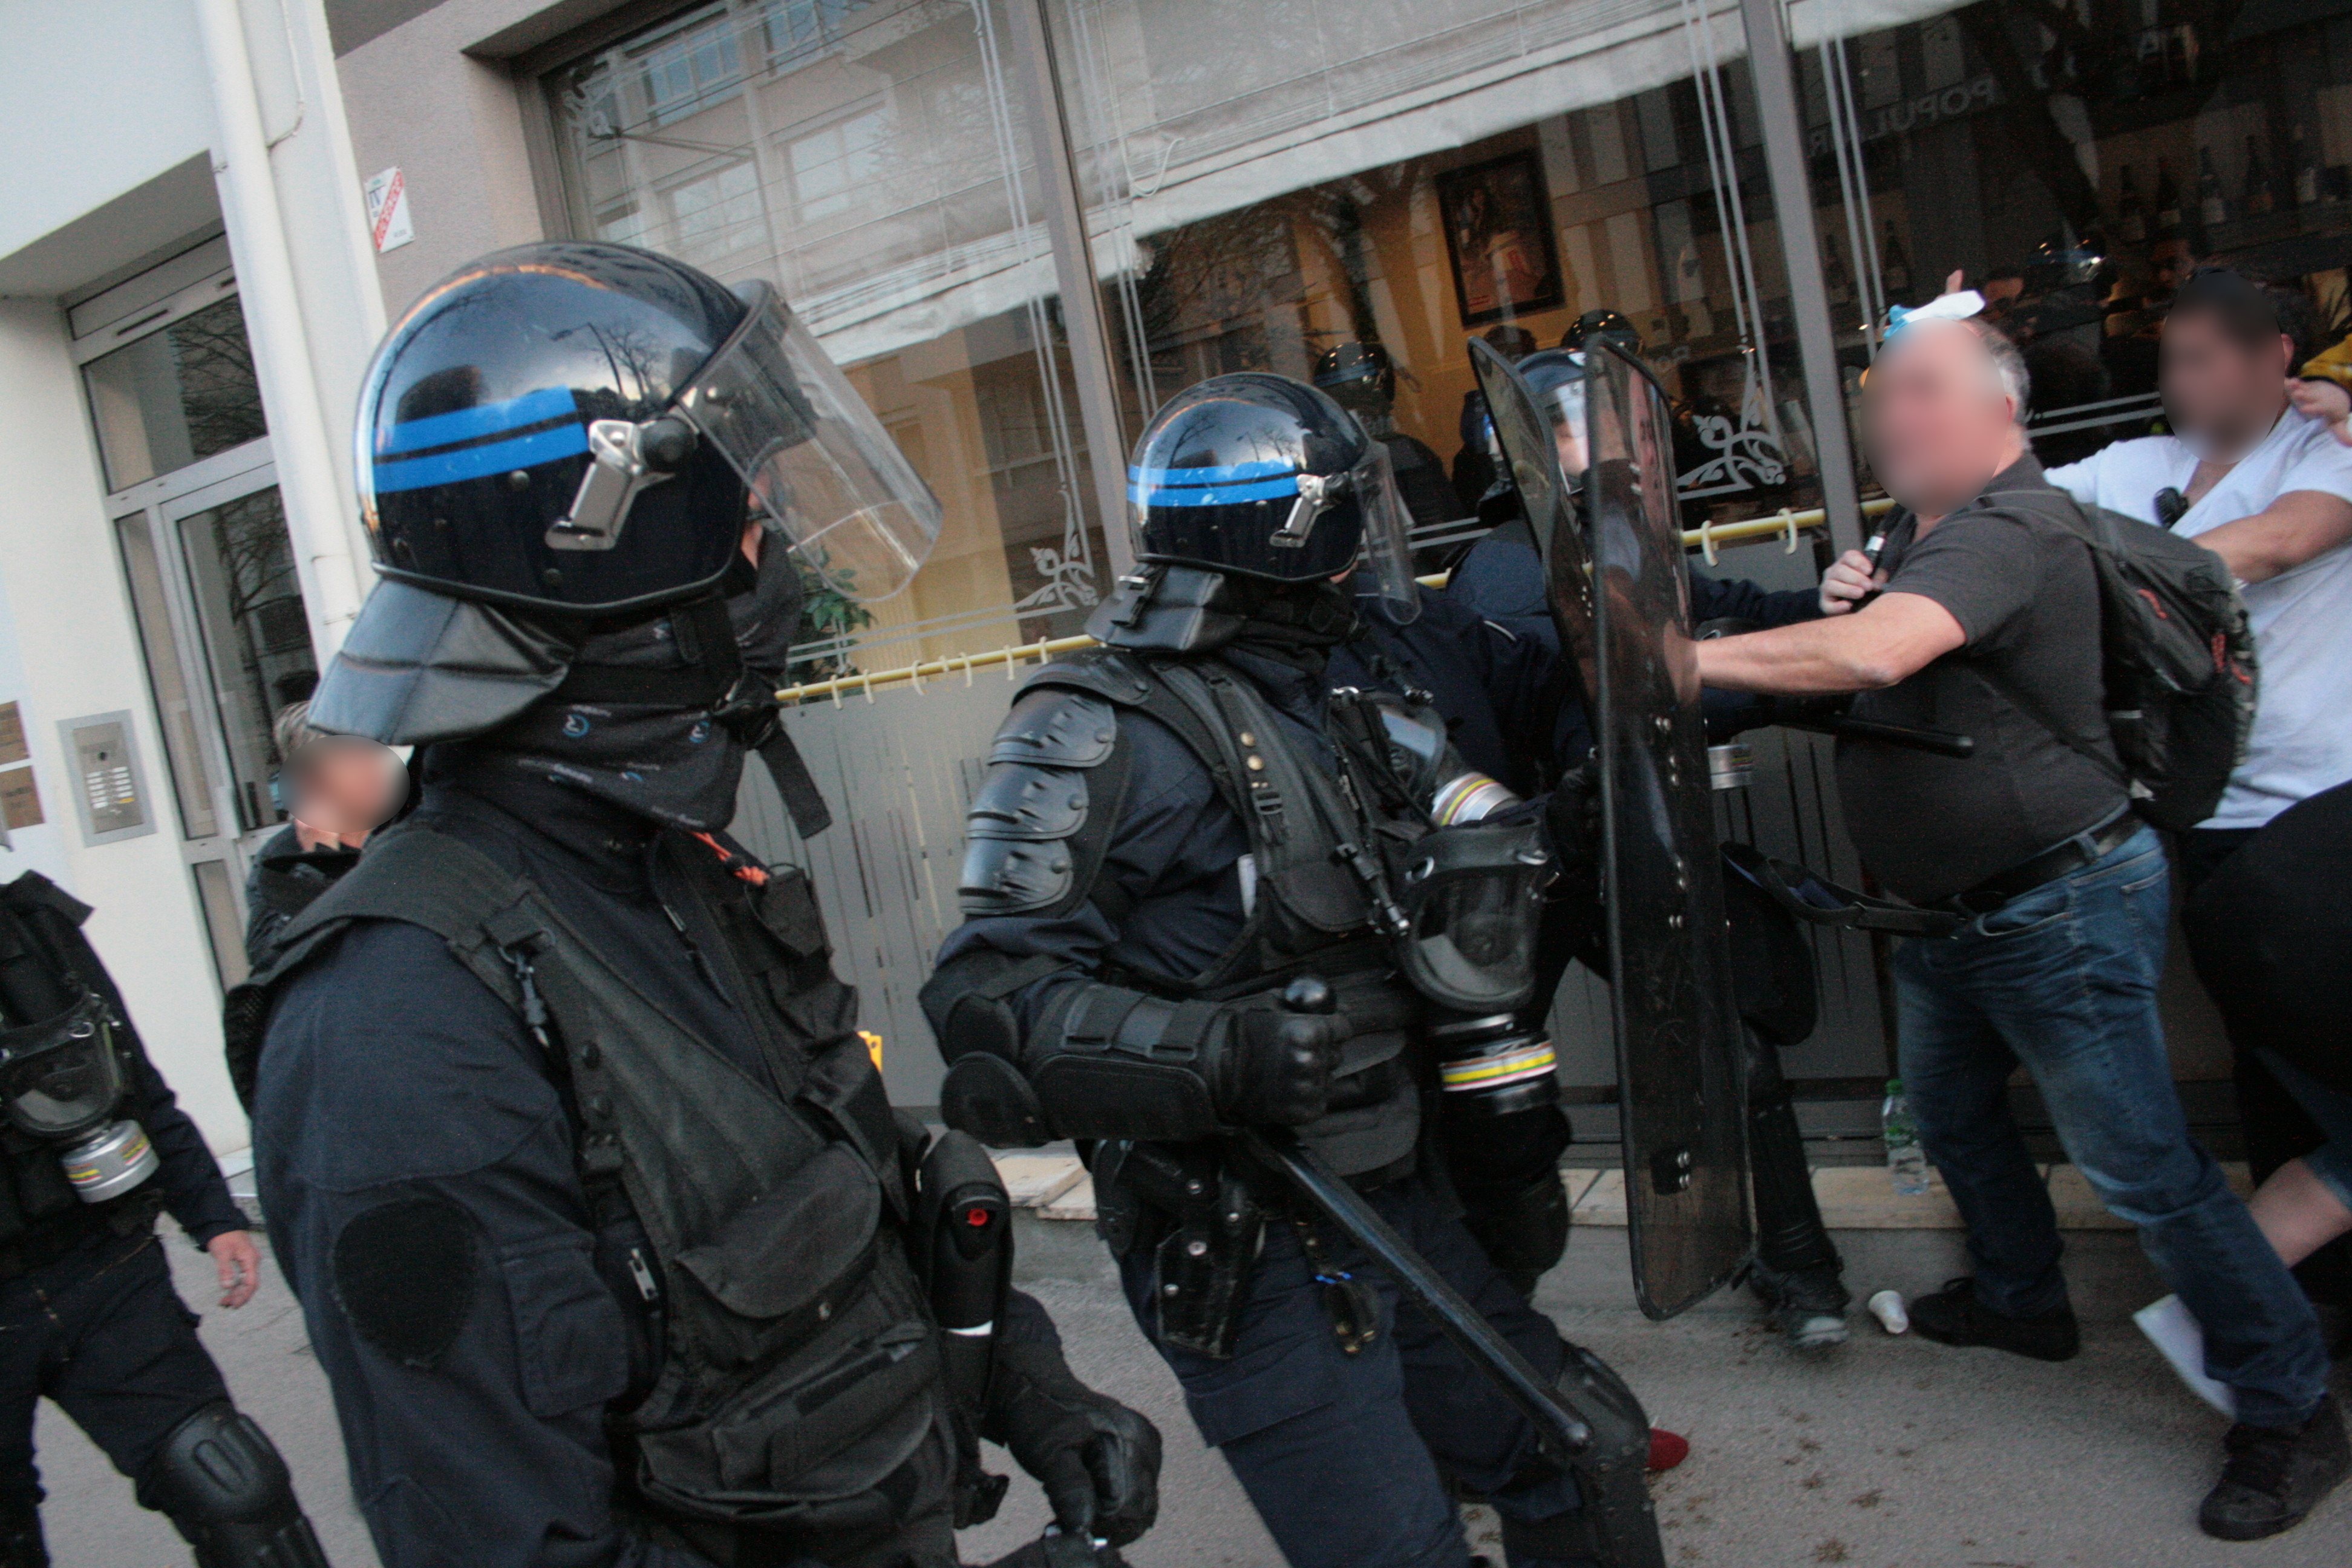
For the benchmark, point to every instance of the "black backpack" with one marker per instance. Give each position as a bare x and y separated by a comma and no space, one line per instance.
2178,660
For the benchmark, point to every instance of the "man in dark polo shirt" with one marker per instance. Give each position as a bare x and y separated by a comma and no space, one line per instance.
1983,598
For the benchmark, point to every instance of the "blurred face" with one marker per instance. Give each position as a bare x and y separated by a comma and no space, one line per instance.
345,787
1936,419
2221,396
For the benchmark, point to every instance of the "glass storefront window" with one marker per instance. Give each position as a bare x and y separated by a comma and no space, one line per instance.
1410,175
868,159
2075,161
175,395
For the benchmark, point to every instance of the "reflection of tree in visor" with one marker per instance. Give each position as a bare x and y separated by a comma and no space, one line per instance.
813,455
61,1077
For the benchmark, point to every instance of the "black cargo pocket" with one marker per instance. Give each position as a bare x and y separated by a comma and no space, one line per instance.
787,907
571,1346
1263,1387
871,1396
782,1266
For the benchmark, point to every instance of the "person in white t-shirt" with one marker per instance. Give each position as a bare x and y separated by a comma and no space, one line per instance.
2260,471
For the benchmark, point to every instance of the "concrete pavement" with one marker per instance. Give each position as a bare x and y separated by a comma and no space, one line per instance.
1890,1453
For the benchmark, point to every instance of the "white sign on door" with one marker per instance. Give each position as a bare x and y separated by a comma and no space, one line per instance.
387,210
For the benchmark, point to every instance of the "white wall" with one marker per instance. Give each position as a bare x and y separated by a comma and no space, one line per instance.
96,97
67,648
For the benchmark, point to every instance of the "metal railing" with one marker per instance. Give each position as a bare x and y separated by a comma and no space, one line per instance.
1706,539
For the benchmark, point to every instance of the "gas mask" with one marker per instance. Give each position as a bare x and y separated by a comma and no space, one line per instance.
1468,901
62,1082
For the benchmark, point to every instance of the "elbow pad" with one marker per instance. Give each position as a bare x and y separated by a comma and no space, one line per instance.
1112,1063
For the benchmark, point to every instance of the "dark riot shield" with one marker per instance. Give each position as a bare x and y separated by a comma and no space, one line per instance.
1531,457
1679,1052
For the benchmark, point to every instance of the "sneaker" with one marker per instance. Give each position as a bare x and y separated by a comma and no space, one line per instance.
1808,1304
2275,1475
1953,1316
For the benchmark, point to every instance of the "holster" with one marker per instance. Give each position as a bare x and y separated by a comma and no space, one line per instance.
1193,1209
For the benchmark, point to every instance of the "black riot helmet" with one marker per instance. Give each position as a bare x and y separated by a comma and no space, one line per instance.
577,427
1607,326
1360,377
1261,476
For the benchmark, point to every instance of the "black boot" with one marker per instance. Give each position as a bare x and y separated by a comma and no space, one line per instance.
1808,1304
1953,1316
2276,1475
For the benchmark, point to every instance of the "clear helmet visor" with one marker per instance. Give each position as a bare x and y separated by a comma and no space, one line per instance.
61,1078
1388,536
816,461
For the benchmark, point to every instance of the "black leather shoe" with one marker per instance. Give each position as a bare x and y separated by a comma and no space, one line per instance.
2275,1475
1953,1316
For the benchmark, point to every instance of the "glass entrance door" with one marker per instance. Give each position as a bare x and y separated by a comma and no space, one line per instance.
227,640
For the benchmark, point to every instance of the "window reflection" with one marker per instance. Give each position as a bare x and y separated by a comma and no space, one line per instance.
868,161
2075,162
175,395
1405,176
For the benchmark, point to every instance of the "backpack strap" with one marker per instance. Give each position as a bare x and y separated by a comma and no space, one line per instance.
2094,535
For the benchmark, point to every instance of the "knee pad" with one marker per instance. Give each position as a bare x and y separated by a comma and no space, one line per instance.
222,1481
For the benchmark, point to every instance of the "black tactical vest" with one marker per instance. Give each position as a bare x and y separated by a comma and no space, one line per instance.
1306,911
799,1385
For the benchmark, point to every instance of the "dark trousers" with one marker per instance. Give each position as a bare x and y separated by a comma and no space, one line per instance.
2277,1127
101,1332
1351,1461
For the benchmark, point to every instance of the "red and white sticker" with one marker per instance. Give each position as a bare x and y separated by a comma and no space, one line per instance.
387,209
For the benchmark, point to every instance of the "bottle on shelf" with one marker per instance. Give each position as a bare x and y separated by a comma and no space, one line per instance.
2213,206
1835,280
1894,268
2168,200
2260,200
2303,167
2131,213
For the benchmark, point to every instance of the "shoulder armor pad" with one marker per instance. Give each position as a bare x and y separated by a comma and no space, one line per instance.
1107,672
1012,876
1027,801
1057,727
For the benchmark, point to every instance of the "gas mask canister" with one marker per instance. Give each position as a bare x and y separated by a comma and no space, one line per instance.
1469,898
62,1080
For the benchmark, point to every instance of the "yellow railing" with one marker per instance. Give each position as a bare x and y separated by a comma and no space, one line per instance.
1784,524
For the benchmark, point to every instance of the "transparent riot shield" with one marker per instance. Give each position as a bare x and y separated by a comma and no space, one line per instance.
1678,1032
1529,444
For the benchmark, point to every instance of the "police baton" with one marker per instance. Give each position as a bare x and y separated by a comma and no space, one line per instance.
1279,1149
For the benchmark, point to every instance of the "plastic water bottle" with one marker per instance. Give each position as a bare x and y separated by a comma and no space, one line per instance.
1906,1162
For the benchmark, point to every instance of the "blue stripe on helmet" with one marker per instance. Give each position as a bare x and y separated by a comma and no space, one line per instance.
473,462
1274,469
1212,495
466,423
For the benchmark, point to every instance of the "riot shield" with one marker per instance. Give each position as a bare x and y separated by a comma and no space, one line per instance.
1530,455
1678,1033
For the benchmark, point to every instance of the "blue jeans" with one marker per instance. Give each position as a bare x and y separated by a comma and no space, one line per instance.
2063,979
1352,1460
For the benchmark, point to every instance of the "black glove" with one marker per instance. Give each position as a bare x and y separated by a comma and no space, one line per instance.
1276,1066
1097,1460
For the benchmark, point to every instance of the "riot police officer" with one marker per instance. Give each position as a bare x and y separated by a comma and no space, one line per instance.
1361,379
1192,866
604,1231
92,1148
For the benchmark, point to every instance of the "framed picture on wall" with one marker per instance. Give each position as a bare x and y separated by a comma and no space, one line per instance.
1499,237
